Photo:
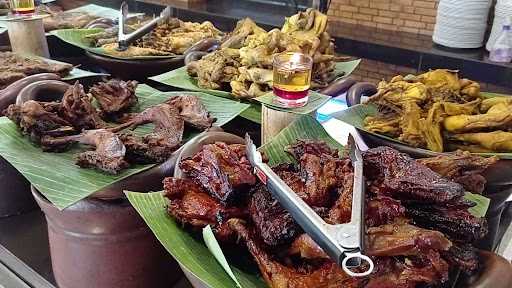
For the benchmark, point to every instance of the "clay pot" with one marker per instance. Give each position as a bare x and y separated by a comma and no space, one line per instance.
105,244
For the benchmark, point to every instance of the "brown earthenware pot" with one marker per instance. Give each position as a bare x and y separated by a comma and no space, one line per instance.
105,244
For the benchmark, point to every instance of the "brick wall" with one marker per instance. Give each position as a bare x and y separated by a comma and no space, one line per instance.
413,16
375,71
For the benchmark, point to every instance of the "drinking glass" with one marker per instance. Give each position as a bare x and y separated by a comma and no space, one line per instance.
22,7
292,78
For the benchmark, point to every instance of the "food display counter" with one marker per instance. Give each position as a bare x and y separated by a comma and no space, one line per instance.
181,151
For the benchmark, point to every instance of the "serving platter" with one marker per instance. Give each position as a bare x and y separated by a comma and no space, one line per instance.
57,177
187,247
76,37
179,78
356,114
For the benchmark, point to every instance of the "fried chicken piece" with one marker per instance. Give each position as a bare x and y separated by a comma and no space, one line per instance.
14,67
397,239
306,248
115,95
464,256
341,211
190,204
275,226
158,145
39,119
496,141
221,171
109,153
461,167
320,179
383,210
399,176
327,275
393,273
455,222
192,111
77,109
402,239
314,147
497,117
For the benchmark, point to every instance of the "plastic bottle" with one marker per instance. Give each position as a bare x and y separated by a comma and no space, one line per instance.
501,51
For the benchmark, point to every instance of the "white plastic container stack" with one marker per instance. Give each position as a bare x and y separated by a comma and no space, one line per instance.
461,23
502,11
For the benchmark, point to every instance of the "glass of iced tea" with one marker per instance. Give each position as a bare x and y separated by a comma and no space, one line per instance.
292,78
22,7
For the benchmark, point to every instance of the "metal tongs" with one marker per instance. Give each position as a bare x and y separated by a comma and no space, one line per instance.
124,40
344,243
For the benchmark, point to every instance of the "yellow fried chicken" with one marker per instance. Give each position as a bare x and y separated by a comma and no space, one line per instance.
384,126
489,102
499,115
410,125
431,128
497,141
453,109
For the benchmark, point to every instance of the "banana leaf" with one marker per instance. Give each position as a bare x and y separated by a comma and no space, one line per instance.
355,116
77,38
76,73
64,183
191,251
179,78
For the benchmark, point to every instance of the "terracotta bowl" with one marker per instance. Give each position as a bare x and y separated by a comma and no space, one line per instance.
139,69
104,244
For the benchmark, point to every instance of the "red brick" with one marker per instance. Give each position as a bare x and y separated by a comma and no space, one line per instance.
403,2
387,14
362,17
385,20
369,11
411,17
379,5
386,26
414,24
424,4
409,30
348,8
428,19
425,11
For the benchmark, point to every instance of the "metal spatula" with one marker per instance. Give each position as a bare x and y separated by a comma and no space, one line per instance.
344,243
124,40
